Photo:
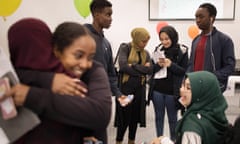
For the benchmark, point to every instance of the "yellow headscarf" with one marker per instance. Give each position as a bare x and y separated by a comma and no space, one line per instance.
138,35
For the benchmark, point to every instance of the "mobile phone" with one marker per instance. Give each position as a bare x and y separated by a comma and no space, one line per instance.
7,106
127,100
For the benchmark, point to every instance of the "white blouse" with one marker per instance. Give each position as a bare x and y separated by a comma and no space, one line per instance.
187,138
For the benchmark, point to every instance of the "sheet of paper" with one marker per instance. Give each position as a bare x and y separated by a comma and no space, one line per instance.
3,137
5,65
156,55
162,73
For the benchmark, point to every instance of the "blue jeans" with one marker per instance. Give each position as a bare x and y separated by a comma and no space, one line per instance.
160,102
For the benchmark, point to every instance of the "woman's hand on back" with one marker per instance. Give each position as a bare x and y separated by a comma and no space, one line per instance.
65,85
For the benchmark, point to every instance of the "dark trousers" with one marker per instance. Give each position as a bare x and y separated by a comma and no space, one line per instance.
130,114
132,131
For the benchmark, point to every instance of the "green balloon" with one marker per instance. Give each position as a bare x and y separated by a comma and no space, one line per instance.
83,7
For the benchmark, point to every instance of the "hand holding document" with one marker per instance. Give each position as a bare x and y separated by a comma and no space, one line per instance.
158,55
13,124
162,73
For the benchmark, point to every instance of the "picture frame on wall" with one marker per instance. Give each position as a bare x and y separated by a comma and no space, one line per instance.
185,9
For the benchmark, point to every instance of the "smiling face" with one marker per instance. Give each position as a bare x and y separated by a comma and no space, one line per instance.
185,93
165,40
77,58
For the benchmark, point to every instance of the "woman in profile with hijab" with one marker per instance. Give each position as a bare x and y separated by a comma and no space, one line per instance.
204,121
71,115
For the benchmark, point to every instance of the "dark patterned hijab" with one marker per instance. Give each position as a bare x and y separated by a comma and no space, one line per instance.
30,46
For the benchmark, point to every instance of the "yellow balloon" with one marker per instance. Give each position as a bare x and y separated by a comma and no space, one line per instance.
7,7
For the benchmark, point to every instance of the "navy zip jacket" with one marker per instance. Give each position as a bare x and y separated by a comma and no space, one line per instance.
219,56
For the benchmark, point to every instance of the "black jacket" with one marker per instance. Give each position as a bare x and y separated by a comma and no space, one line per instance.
178,70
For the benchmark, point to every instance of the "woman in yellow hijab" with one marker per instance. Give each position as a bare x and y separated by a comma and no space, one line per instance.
135,64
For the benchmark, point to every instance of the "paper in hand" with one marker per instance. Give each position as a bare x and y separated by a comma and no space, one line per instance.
157,55
162,73
3,137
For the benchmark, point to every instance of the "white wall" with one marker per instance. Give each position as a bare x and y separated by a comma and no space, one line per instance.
127,14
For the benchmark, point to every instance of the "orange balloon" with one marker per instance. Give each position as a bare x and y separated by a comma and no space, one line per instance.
193,31
160,25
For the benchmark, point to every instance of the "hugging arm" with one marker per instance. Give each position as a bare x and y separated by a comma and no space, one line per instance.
75,110
57,82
